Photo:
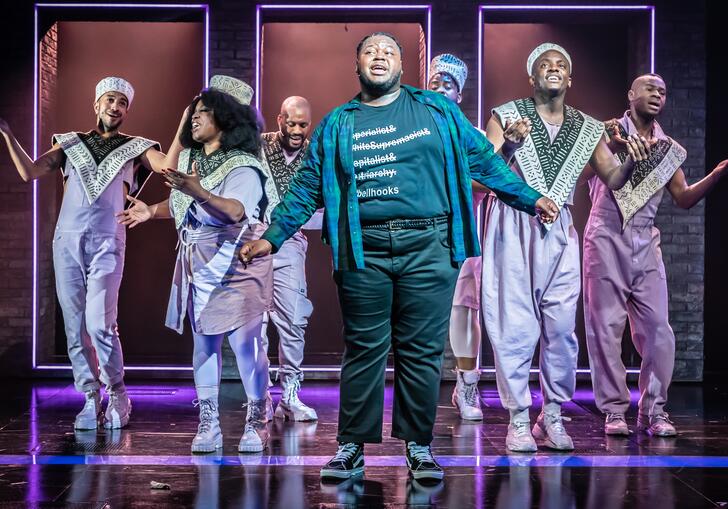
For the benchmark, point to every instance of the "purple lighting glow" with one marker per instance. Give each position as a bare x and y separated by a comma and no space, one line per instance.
36,69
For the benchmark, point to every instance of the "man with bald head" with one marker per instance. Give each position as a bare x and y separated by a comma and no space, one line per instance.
284,151
624,276
393,169
531,283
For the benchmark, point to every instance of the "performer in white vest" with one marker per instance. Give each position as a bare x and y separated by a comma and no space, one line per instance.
99,170
531,276
624,276
447,76
218,198
283,152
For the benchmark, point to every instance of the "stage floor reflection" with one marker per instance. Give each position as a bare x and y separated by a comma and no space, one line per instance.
44,463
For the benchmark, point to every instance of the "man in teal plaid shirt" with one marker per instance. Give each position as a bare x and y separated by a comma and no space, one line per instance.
393,169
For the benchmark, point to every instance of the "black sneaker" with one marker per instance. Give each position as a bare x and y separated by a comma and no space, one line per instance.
421,463
348,462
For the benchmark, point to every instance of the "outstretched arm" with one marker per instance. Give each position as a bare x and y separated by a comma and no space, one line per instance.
28,169
140,212
685,195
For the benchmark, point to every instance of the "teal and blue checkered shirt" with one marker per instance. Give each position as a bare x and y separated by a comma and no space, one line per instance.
326,179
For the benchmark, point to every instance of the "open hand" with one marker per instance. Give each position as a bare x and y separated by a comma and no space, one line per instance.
188,184
138,213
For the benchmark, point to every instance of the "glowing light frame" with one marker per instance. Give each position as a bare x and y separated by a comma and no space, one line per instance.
36,42
427,8
516,8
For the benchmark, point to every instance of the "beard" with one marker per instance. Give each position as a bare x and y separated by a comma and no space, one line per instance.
379,88
104,127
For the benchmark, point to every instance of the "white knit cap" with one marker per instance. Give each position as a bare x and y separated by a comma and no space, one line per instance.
113,84
233,86
451,65
540,50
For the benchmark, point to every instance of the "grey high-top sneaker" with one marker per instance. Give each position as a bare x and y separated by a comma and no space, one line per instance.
466,397
89,416
290,407
209,434
119,408
255,434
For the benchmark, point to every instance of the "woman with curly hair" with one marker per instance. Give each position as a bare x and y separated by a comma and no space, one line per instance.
217,201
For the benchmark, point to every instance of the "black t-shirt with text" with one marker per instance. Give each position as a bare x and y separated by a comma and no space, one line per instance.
399,162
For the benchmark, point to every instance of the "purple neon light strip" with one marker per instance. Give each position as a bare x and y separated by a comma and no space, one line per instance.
36,42
340,6
35,186
566,7
534,460
135,6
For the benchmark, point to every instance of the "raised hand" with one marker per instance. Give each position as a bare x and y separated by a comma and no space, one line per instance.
547,210
138,213
254,249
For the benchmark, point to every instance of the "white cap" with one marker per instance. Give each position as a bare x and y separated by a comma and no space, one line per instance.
113,84
540,50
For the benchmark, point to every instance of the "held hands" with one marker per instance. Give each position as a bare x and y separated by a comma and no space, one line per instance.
184,183
515,134
546,210
138,213
254,249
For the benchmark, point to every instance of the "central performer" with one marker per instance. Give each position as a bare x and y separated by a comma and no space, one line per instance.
393,169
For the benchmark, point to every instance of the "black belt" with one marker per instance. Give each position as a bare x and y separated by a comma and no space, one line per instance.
407,224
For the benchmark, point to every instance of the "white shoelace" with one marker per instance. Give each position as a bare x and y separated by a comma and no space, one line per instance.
470,393
290,393
345,452
615,417
207,408
556,422
520,428
420,452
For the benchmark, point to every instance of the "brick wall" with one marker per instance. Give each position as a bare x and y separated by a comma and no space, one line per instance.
680,59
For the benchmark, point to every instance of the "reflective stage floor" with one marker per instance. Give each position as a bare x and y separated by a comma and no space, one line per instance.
43,463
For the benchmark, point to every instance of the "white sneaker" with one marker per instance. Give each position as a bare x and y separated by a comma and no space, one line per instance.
118,409
290,407
255,434
209,434
550,429
615,424
519,438
89,417
466,397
